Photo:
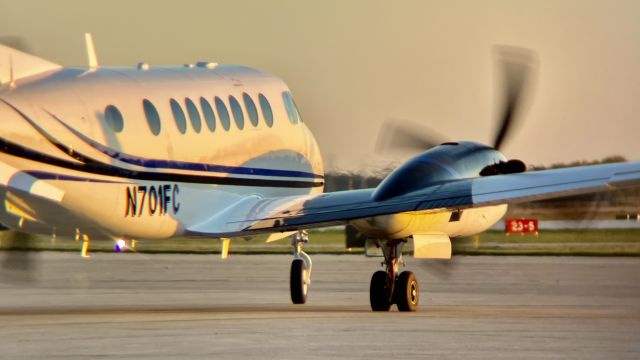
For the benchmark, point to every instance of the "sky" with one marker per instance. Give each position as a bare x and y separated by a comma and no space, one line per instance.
353,64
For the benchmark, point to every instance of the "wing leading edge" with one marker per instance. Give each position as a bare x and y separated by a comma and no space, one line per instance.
268,215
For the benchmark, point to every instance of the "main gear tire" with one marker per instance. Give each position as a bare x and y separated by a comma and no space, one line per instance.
378,294
407,292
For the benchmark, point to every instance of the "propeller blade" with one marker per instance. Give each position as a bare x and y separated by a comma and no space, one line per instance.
517,65
396,134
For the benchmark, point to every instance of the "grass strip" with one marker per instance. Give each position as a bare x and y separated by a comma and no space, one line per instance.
596,242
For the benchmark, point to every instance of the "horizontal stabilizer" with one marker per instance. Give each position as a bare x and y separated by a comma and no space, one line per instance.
13,179
15,65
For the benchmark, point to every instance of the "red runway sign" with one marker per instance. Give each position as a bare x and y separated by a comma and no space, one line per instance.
521,226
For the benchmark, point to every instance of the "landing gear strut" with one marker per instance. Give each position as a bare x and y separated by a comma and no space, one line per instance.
300,269
388,287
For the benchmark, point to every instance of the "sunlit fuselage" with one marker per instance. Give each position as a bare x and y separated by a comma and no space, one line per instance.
127,174
123,180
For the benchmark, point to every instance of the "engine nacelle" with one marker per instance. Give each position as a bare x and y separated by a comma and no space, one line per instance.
446,162
466,222
449,161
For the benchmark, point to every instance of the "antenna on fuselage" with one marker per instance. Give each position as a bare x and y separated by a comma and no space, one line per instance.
92,58
12,79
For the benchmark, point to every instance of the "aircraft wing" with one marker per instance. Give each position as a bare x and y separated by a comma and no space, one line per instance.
268,215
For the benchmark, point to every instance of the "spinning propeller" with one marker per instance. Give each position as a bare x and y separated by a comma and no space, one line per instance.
516,66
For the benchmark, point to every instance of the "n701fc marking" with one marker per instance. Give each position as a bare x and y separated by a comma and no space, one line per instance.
159,199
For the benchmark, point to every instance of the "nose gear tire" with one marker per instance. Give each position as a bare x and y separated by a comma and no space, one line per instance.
297,283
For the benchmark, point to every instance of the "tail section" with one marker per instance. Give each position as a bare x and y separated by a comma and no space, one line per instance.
15,65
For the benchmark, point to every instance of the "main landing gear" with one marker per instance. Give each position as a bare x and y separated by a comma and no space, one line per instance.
388,287
300,269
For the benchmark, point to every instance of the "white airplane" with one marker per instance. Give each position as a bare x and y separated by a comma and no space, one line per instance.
220,151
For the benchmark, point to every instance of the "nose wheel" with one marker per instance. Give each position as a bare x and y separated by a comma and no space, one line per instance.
298,283
388,288
300,270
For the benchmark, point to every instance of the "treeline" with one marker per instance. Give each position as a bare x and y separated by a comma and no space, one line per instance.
339,181
605,160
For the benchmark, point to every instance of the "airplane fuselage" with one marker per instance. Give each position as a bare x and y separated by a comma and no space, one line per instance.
140,151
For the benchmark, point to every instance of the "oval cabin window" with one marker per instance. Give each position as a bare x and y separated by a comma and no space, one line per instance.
194,115
223,114
114,118
209,115
153,118
238,116
267,113
251,109
178,115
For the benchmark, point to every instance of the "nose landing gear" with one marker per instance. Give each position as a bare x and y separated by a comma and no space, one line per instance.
300,269
388,288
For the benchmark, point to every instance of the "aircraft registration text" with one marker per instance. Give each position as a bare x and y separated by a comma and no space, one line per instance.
152,200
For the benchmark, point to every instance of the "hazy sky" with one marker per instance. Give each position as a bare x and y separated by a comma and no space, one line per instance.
353,64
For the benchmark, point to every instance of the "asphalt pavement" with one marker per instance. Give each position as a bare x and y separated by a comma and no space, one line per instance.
138,306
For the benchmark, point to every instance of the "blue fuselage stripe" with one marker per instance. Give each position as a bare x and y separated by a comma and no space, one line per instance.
237,170
183,165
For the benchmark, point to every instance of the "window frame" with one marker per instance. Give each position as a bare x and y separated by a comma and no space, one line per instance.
290,106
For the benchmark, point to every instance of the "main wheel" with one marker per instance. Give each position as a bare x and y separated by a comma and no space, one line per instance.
407,292
298,284
378,292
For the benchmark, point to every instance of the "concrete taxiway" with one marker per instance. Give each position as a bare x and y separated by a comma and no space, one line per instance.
198,306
